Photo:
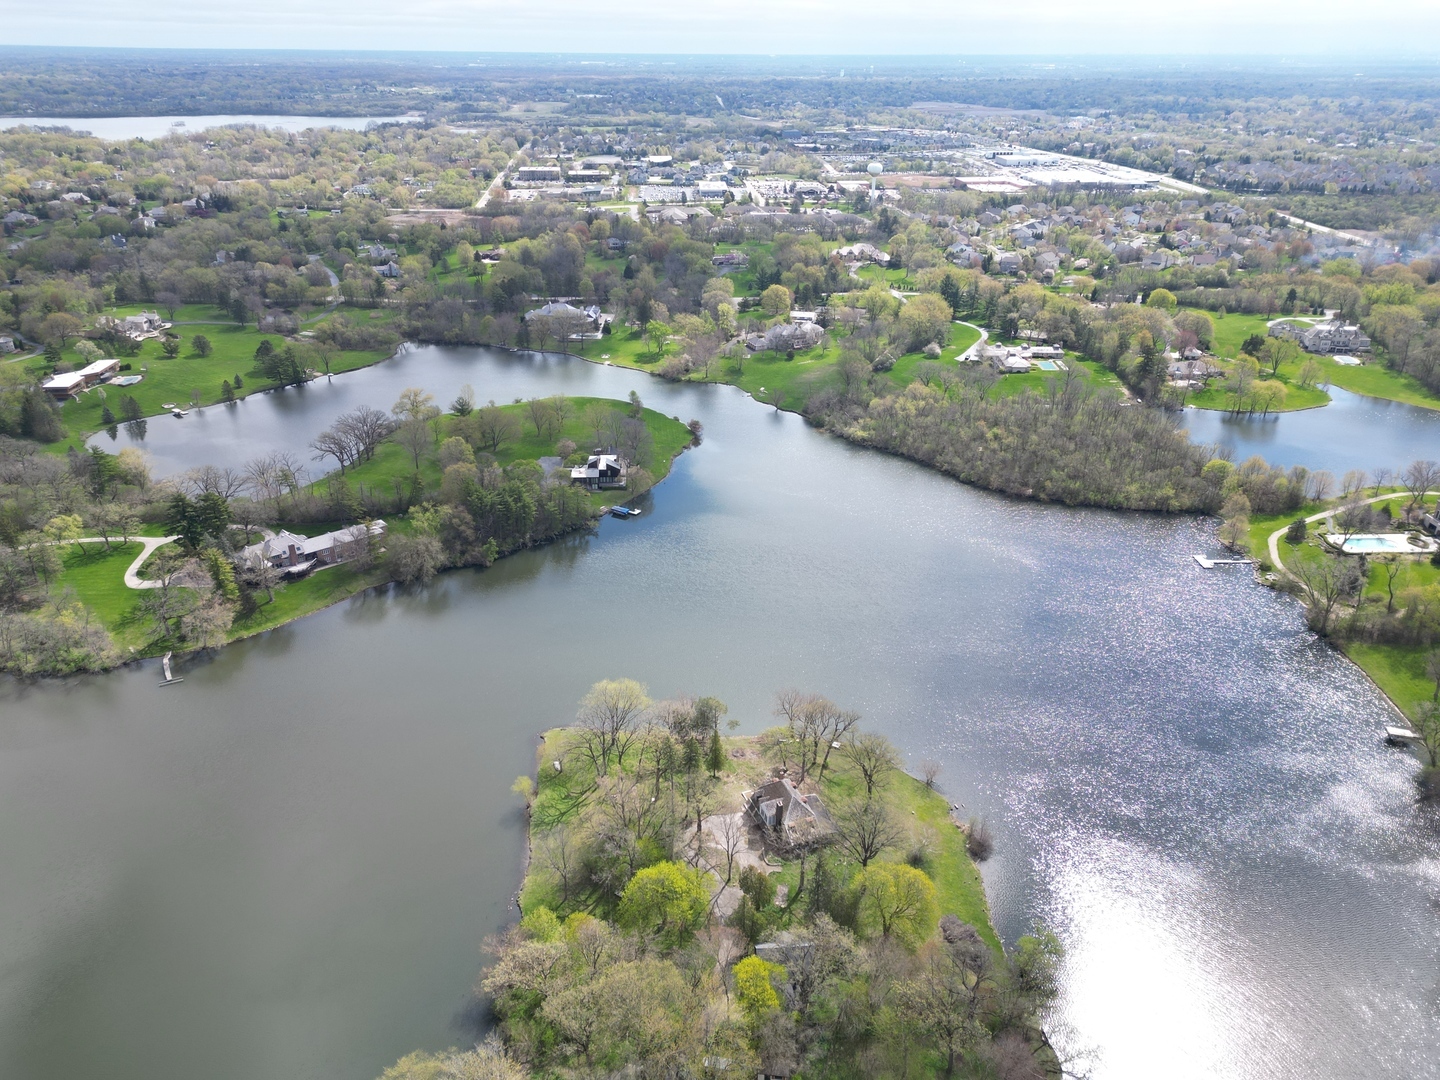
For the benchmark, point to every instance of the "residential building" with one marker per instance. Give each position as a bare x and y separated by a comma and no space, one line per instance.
601,472
779,808
291,552
67,385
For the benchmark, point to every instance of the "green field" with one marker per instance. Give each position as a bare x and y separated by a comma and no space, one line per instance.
97,578
175,380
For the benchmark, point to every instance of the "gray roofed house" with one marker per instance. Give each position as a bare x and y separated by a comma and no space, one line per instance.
778,807
600,472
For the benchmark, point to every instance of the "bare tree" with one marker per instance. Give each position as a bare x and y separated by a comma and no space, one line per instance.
1390,567
335,443
1353,482
495,427
204,479
817,724
1326,582
729,833
930,772
864,828
559,852
872,756
610,715
414,436
366,428
1381,477
1419,478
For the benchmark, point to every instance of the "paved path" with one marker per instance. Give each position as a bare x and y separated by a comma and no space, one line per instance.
1274,542
148,544
969,354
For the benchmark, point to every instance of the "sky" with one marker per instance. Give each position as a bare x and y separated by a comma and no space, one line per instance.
1337,28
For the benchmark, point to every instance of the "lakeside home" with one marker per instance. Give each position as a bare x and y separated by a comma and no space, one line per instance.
66,385
293,553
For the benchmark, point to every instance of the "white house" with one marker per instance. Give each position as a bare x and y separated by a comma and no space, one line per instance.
69,384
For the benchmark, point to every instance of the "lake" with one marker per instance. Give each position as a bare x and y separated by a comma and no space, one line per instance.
286,864
1352,432
155,127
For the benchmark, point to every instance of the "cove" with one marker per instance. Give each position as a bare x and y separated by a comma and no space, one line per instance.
285,865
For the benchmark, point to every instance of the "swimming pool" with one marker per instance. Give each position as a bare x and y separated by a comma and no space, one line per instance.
1046,365
1378,544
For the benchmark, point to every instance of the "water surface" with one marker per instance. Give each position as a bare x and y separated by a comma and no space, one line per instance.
284,865
155,127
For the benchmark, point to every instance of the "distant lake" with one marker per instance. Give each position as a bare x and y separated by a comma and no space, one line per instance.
1352,432
155,127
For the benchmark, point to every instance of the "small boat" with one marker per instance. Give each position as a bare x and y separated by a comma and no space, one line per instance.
177,413
623,512
170,679
1399,736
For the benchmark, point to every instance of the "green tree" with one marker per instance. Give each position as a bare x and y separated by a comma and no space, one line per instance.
170,347
669,900
897,902
201,345
1163,299
715,757
776,301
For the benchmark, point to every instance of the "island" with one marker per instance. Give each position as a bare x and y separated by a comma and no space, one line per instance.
792,902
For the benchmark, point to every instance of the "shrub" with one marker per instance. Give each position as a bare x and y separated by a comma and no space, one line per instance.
1295,533
979,842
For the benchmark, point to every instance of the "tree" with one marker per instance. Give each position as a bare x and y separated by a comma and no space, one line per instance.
656,334
864,828
925,320
1427,726
1419,478
872,756
488,1062
776,301
59,327
65,529
609,714
495,427
755,989
170,348
1277,352
816,724
945,998
1326,581
413,404
227,392
715,756
201,345
415,559
1163,299
1235,518
669,900
414,436
365,428
896,901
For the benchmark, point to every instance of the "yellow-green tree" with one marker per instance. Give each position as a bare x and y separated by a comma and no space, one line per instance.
754,989
669,900
896,901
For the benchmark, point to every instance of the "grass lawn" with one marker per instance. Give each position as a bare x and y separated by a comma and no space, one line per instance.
1231,331
1374,379
1399,670
310,594
1098,374
1297,397
97,577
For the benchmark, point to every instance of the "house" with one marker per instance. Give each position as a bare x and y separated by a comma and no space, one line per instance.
289,551
1009,262
17,219
389,270
600,472
863,252
69,384
1334,337
730,261
146,324
778,807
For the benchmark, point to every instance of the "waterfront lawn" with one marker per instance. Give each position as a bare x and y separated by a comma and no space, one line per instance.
297,598
1399,670
1374,379
1297,397
174,380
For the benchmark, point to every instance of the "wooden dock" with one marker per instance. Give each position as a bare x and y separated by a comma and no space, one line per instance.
1210,564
